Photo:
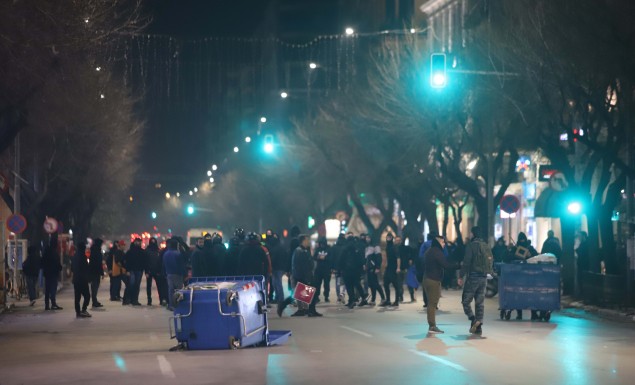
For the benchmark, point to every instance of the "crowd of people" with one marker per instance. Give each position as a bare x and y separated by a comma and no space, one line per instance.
363,270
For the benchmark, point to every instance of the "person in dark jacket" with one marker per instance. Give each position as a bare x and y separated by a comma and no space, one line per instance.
51,268
31,268
302,271
134,262
500,250
81,279
336,252
278,266
236,246
96,270
294,235
373,267
352,266
253,258
391,274
435,263
219,254
154,271
323,266
520,253
552,245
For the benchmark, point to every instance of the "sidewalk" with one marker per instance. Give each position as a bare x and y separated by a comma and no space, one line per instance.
620,314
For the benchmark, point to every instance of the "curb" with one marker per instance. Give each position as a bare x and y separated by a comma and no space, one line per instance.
622,315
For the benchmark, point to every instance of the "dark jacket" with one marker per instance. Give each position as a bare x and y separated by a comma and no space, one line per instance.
352,260
31,267
79,266
219,255
51,266
392,255
204,262
253,260
154,262
323,259
552,245
373,263
478,258
232,258
95,267
278,256
135,258
302,265
435,262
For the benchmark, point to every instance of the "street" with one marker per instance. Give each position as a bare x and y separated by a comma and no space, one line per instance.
126,345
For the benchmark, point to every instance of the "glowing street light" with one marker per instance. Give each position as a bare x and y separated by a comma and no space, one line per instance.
195,189
248,139
263,119
412,30
214,167
102,96
98,69
349,31
574,208
191,192
209,172
154,215
236,149
190,209
211,180
268,147
312,66
178,194
167,195
284,95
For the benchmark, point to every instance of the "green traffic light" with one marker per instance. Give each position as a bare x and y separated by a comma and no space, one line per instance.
574,208
154,215
438,70
190,209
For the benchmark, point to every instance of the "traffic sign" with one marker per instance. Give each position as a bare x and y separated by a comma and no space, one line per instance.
510,204
50,225
16,223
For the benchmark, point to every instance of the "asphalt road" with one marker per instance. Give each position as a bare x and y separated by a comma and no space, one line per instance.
126,345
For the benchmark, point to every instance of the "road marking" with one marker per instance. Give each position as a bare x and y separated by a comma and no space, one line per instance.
316,351
166,368
153,337
357,331
439,360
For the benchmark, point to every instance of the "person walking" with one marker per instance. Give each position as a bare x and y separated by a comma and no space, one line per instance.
351,268
435,263
253,258
51,268
154,268
81,278
373,267
393,269
31,268
477,264
174,267
302,271
96,270
278,266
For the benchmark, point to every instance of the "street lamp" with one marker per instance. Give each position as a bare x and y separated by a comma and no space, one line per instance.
312,66
209,172
574,208
191,193
154,215
263,120
195,189
284,95
211,180
167,195
248,139
190,209
236,149
268,147
214,167
349,31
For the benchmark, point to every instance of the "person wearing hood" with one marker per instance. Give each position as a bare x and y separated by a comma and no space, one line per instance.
96,270
203,262
81,278
154,268
336,252
31,268
435,264
114,262
236,246
134,262
51,268
391,275
302,270
219,255
323,265
373,267
352,267
477,264
253,259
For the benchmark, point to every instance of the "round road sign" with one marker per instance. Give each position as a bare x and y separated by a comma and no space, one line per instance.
50,225
16,223
510,204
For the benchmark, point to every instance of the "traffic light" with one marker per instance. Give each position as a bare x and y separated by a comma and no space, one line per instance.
154,215
574,208
438,70
190,209
268,146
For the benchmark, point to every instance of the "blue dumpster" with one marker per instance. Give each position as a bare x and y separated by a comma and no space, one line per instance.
223,313
529,286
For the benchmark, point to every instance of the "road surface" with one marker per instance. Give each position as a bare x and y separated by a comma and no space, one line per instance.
127,345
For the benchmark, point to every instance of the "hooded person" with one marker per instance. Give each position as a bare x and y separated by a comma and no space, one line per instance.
51,268
154,271
435,264
95,270
31,268
278,265
134,262
81,278
253,258
323,266
236,245
391,274
352,266
336,253
115,270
